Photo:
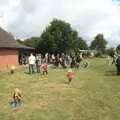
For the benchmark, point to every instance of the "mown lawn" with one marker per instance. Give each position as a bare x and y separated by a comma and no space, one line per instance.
93,95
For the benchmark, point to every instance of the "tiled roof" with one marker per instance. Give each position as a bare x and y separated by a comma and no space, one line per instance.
6,41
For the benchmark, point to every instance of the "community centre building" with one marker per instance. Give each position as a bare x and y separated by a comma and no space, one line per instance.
9,50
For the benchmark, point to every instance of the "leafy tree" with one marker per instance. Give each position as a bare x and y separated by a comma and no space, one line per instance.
82,44
99,43
59,36
118,49
10,36
31,42
110,51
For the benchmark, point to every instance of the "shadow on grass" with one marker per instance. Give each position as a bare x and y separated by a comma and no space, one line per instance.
110,73
31,73
27,72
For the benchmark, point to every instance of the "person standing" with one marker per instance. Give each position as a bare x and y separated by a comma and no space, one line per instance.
31,61
118,65
108,60
38,62
53,58
46,58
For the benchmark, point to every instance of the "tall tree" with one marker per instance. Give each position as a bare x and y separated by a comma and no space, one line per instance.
118,49
99,43
59,36
31,42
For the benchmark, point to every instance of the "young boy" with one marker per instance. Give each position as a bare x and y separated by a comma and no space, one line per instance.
45,68
70,75
17,97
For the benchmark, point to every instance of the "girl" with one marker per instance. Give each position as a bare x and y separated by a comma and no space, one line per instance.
70,75
45,68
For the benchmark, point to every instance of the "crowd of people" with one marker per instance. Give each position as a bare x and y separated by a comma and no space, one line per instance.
114,60
37,62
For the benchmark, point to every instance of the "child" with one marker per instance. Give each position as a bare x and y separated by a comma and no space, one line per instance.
45,68
12,69
70,75
17,97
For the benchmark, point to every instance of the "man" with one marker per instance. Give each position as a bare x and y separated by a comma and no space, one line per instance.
118,65
31,61
53,58
46,58
38,62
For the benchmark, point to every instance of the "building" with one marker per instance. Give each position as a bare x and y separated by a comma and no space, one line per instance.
9,50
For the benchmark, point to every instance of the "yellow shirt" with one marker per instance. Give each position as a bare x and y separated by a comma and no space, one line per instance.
17,93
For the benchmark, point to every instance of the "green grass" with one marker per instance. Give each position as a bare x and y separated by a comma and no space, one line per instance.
93,95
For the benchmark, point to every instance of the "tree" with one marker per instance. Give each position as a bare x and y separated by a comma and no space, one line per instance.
110,51
59,36
31,42
81,44
118,49
10,36
99,43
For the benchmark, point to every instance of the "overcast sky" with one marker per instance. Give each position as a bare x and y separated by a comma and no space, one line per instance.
27,18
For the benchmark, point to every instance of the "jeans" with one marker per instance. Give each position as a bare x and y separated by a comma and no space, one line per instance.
38,68
31,68
16,103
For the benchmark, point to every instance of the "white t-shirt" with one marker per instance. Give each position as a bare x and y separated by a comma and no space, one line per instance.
32,60
53,57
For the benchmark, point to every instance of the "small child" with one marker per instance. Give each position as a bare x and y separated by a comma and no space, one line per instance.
12,69
17,97
70,75
45,68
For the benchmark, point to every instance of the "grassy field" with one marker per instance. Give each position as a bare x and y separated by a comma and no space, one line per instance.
93,95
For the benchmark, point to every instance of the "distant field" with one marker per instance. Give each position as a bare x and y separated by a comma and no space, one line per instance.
93,95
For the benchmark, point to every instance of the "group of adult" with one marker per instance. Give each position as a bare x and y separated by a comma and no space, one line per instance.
34,62
118,65
115,61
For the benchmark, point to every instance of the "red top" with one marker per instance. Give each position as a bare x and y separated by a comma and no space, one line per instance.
45,66
70,74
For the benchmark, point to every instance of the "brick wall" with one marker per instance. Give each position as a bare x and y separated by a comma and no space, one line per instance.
8,58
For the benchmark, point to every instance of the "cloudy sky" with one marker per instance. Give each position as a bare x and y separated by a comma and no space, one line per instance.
27,18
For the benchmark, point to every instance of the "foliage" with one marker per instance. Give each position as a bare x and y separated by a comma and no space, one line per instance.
99,43
59,36
118,49
98,54
109,51
10,36
32,42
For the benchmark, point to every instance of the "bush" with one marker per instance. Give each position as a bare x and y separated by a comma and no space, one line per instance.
99,54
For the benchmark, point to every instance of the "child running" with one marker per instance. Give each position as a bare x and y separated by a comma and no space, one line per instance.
17,98
45,68
70,75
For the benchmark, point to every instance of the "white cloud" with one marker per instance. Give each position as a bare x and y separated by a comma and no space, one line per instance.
26,18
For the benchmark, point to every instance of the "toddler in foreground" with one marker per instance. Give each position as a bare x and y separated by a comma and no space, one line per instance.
17,98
